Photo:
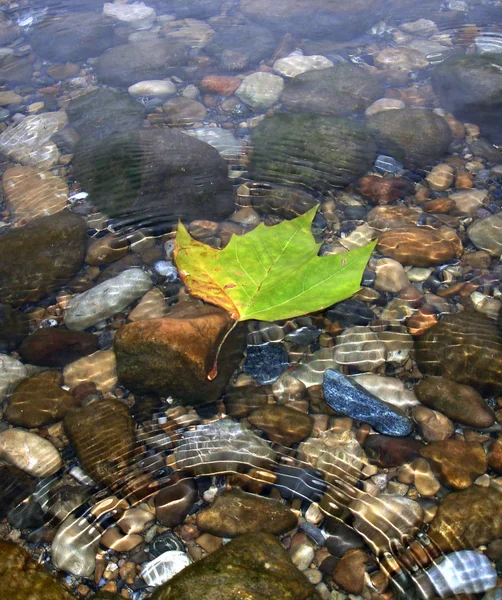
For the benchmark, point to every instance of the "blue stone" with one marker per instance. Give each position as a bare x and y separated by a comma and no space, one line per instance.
387,164
349,398
265,362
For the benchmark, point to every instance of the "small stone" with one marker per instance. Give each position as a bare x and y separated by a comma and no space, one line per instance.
390,452
224,85
115,540
302,556
236,513
346,396
153,305
260,90
383,190
388,389
350,571
392,217
137,14
184,112
439,205
98,368
440,178
265,362
469,201
425,482
485,234
135,520
9,97
433,425
106,249
283,424
175,500
164,567
12,371
29,452
74,547
56,346
295,64
384,104
401,58
390,276
157,88
360,347
456,463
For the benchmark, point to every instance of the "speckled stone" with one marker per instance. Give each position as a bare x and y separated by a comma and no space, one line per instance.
345,396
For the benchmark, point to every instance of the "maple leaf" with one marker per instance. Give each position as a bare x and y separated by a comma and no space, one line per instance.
271,273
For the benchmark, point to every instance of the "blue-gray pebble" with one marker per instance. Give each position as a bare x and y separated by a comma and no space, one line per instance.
349,398
265,362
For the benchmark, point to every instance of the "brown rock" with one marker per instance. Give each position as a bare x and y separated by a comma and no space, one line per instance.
468,519
392,217
240,401
102,434
386,451
106,249
220,84
383,190
455,462
459,402
350,570
56,346
183,111
432,425
63,71
39,400
30,193
283,424
235,513
175,499
495,454
98,368
175,355
439,205
419,246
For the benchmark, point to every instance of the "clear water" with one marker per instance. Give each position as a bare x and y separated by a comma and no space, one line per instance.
257,112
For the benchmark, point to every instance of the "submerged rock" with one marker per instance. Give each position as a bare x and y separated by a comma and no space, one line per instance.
56,346
40,257
29,452
252,566
14,328
485,234
15,487
74,547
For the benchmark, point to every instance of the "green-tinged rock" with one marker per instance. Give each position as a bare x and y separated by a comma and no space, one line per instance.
41,257
310,151
252,567
236,513
102,435
468,519
417,137
21,578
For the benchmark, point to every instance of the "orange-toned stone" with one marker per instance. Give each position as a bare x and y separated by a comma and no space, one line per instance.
423,320
383,190
463,180
220,84
440,205
350,570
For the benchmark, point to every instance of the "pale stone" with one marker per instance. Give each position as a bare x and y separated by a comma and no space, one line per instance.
486,234
401,58
388,389
421,27
295,64
390,276
153,305
192,32
137,14
468,201
260,90
12,371
161,88
164,567
29,452
223,140
440,178
384,104
74,547
106,299
7,98
98,368
359,347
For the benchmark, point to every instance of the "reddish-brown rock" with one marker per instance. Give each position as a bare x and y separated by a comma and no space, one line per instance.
220,84
56,346
383,190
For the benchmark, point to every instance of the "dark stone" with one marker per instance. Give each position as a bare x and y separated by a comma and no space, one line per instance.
41,257
343,538
340,91
166,542
238,44
465,347
252,566
13,328
72,37
240,401
389,452
103,112
265,362
57,346
333,19
153,177
127,64
350,312
416,137
27,515
313,152
175,500
119,266
471,88
305,483
285,202
349,398
303,336
15,487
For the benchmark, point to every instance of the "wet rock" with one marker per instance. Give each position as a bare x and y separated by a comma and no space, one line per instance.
383,190
304,483
102,435
159,88
265,362
396,134
345,396
468,519
392,217
127,64
467,202
334,20
236,513
340,91
250,566
220,447
441,177
401,58
485,234
15,487
74,547
350,312
29,141
29,193
39,400
192,32
184,111
455,462
106,249
16,70
260,90
337,151
391,452
378,106
175,500
41,257
285,202
29,452
72,37
106,299
432,425
388,389
296,64
164,567
350,571
419,246
225,85
13,328
464,347
471,87
174,355
239,44
383,518
22,577
153,305
153,177
390,276
241,401
12,371
136,15
98,369
458,402
360,347
283,424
